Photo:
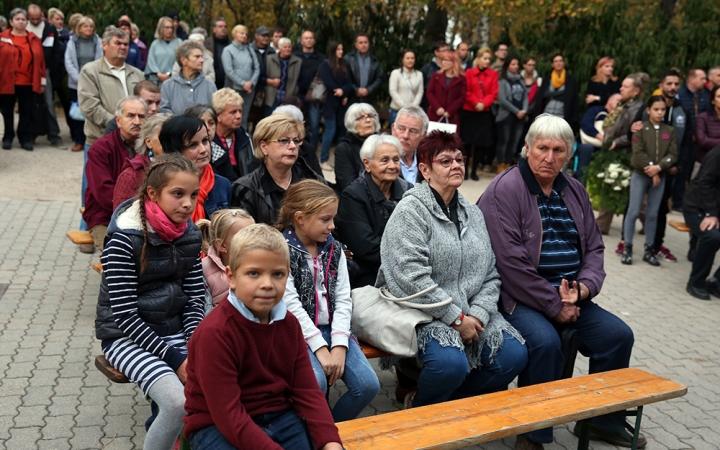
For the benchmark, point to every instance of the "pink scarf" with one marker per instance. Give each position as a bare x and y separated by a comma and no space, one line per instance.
163,226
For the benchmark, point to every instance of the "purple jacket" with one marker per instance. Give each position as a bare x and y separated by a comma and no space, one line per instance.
513,220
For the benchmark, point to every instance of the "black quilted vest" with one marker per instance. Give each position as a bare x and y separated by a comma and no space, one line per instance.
305,281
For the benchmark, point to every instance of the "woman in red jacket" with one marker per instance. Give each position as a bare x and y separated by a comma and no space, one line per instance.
446,91
477,121
22,73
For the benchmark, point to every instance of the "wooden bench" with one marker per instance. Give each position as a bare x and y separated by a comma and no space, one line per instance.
97,267
80,237
680,226
485,418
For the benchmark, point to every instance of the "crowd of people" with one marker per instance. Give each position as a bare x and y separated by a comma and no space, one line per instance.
203,190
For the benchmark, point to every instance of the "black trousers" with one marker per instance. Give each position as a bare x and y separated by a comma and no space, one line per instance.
24,96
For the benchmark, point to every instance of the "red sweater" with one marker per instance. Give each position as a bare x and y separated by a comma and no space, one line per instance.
106,159
130,179
482,87
7,63
238,369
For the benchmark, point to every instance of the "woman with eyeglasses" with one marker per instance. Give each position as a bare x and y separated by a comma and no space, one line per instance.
189,135
435,237
361,121
277,139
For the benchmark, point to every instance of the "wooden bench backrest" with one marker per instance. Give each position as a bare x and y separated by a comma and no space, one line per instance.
474,420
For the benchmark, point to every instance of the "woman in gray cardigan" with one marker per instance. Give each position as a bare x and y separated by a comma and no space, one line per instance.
242,69
513,101
435,236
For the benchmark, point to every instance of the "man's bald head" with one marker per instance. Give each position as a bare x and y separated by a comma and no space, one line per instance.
35,14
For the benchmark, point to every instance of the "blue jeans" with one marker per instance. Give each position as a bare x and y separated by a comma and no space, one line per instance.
584,154
313,121
283,427
393,116
606,340
708,243
639,186
328,136
83,188
445,374
359,377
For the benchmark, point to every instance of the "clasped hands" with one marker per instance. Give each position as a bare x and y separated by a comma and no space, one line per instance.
469,329
569,295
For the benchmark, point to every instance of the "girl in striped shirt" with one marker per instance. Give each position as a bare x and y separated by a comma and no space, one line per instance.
152,292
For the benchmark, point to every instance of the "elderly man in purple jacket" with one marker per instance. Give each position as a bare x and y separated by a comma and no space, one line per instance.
550,257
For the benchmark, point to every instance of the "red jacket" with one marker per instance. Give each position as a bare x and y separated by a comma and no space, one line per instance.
130,178
106,159
238,369
450,97
7,60
482,87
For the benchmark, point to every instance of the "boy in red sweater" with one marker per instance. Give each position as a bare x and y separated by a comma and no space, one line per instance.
250,384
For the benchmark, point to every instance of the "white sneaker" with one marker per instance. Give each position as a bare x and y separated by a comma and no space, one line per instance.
326,166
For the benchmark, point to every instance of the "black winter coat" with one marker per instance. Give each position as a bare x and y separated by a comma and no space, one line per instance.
348,164
375,78
569,97
243,155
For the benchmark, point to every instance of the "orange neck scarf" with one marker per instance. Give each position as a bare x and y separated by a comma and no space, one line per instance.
558,80
207,181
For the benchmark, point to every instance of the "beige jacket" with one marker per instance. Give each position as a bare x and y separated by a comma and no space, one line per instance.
99,91
275,71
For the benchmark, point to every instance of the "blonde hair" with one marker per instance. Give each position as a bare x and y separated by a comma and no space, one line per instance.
159,28
73,21
217,228
222,97
238,28
479,54
273,126
306,197
52,12
258,236
82,21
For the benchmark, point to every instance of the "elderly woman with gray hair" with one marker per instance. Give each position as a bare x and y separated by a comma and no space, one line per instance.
435,237
189,86
366,205
361,121
543,232
147,148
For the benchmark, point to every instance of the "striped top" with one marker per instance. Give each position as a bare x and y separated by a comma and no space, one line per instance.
560,249
121,274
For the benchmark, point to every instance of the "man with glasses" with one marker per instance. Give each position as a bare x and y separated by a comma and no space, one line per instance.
410,127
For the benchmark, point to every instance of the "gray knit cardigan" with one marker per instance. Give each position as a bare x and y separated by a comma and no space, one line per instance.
421,247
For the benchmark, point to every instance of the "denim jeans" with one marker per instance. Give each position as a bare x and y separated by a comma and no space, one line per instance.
328,136
585,154
393,116
83,188
359,377
509,133
313,123
605,339
640,185
445,374
284,427
708,243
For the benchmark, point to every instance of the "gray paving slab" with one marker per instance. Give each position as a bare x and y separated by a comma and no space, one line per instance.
51,395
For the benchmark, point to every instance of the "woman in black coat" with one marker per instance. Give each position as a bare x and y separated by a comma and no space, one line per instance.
336,78
366,205
361,121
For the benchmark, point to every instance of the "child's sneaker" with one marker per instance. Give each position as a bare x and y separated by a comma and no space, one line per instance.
649,256
664,253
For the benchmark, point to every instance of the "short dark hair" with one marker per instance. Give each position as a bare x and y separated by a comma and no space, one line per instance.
177,130
434,143
361,35
497,47
200,110
670,73
146,85
692,73
438,45
219,19
655,99
278,30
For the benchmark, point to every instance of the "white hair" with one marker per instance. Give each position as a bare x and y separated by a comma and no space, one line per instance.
547,126
290,110
356,110
417,113
283,40
367,151
121,104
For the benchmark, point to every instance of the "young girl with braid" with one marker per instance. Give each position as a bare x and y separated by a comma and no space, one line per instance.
152,292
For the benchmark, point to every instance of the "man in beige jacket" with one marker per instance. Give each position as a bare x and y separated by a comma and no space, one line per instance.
101,85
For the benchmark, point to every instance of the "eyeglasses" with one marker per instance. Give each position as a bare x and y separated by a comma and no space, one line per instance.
447,162
286,141
366,117
411,131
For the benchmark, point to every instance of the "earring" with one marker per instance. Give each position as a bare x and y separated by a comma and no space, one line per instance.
150,154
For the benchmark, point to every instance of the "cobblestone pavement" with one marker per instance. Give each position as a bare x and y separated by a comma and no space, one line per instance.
52,397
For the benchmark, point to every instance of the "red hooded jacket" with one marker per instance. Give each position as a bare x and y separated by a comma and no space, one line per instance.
482,87
7,61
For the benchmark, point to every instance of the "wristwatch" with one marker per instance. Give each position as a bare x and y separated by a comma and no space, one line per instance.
459,320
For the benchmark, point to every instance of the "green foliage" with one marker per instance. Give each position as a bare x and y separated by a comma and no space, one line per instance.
602,194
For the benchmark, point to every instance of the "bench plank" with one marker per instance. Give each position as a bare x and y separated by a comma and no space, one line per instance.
80,237
489,417
680,226
97,267
371,352
109,371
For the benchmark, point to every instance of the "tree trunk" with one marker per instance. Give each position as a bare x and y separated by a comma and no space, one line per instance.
436,22
668,8
482,32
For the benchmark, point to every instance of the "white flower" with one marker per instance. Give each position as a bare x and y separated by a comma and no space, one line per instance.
609,181
601,175
614,175
613,167
617,188
625,183
626,174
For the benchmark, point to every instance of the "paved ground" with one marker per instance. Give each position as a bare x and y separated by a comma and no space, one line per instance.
52,397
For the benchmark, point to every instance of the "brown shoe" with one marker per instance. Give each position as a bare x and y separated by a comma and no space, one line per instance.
407,404
87,248
78,147
523,443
